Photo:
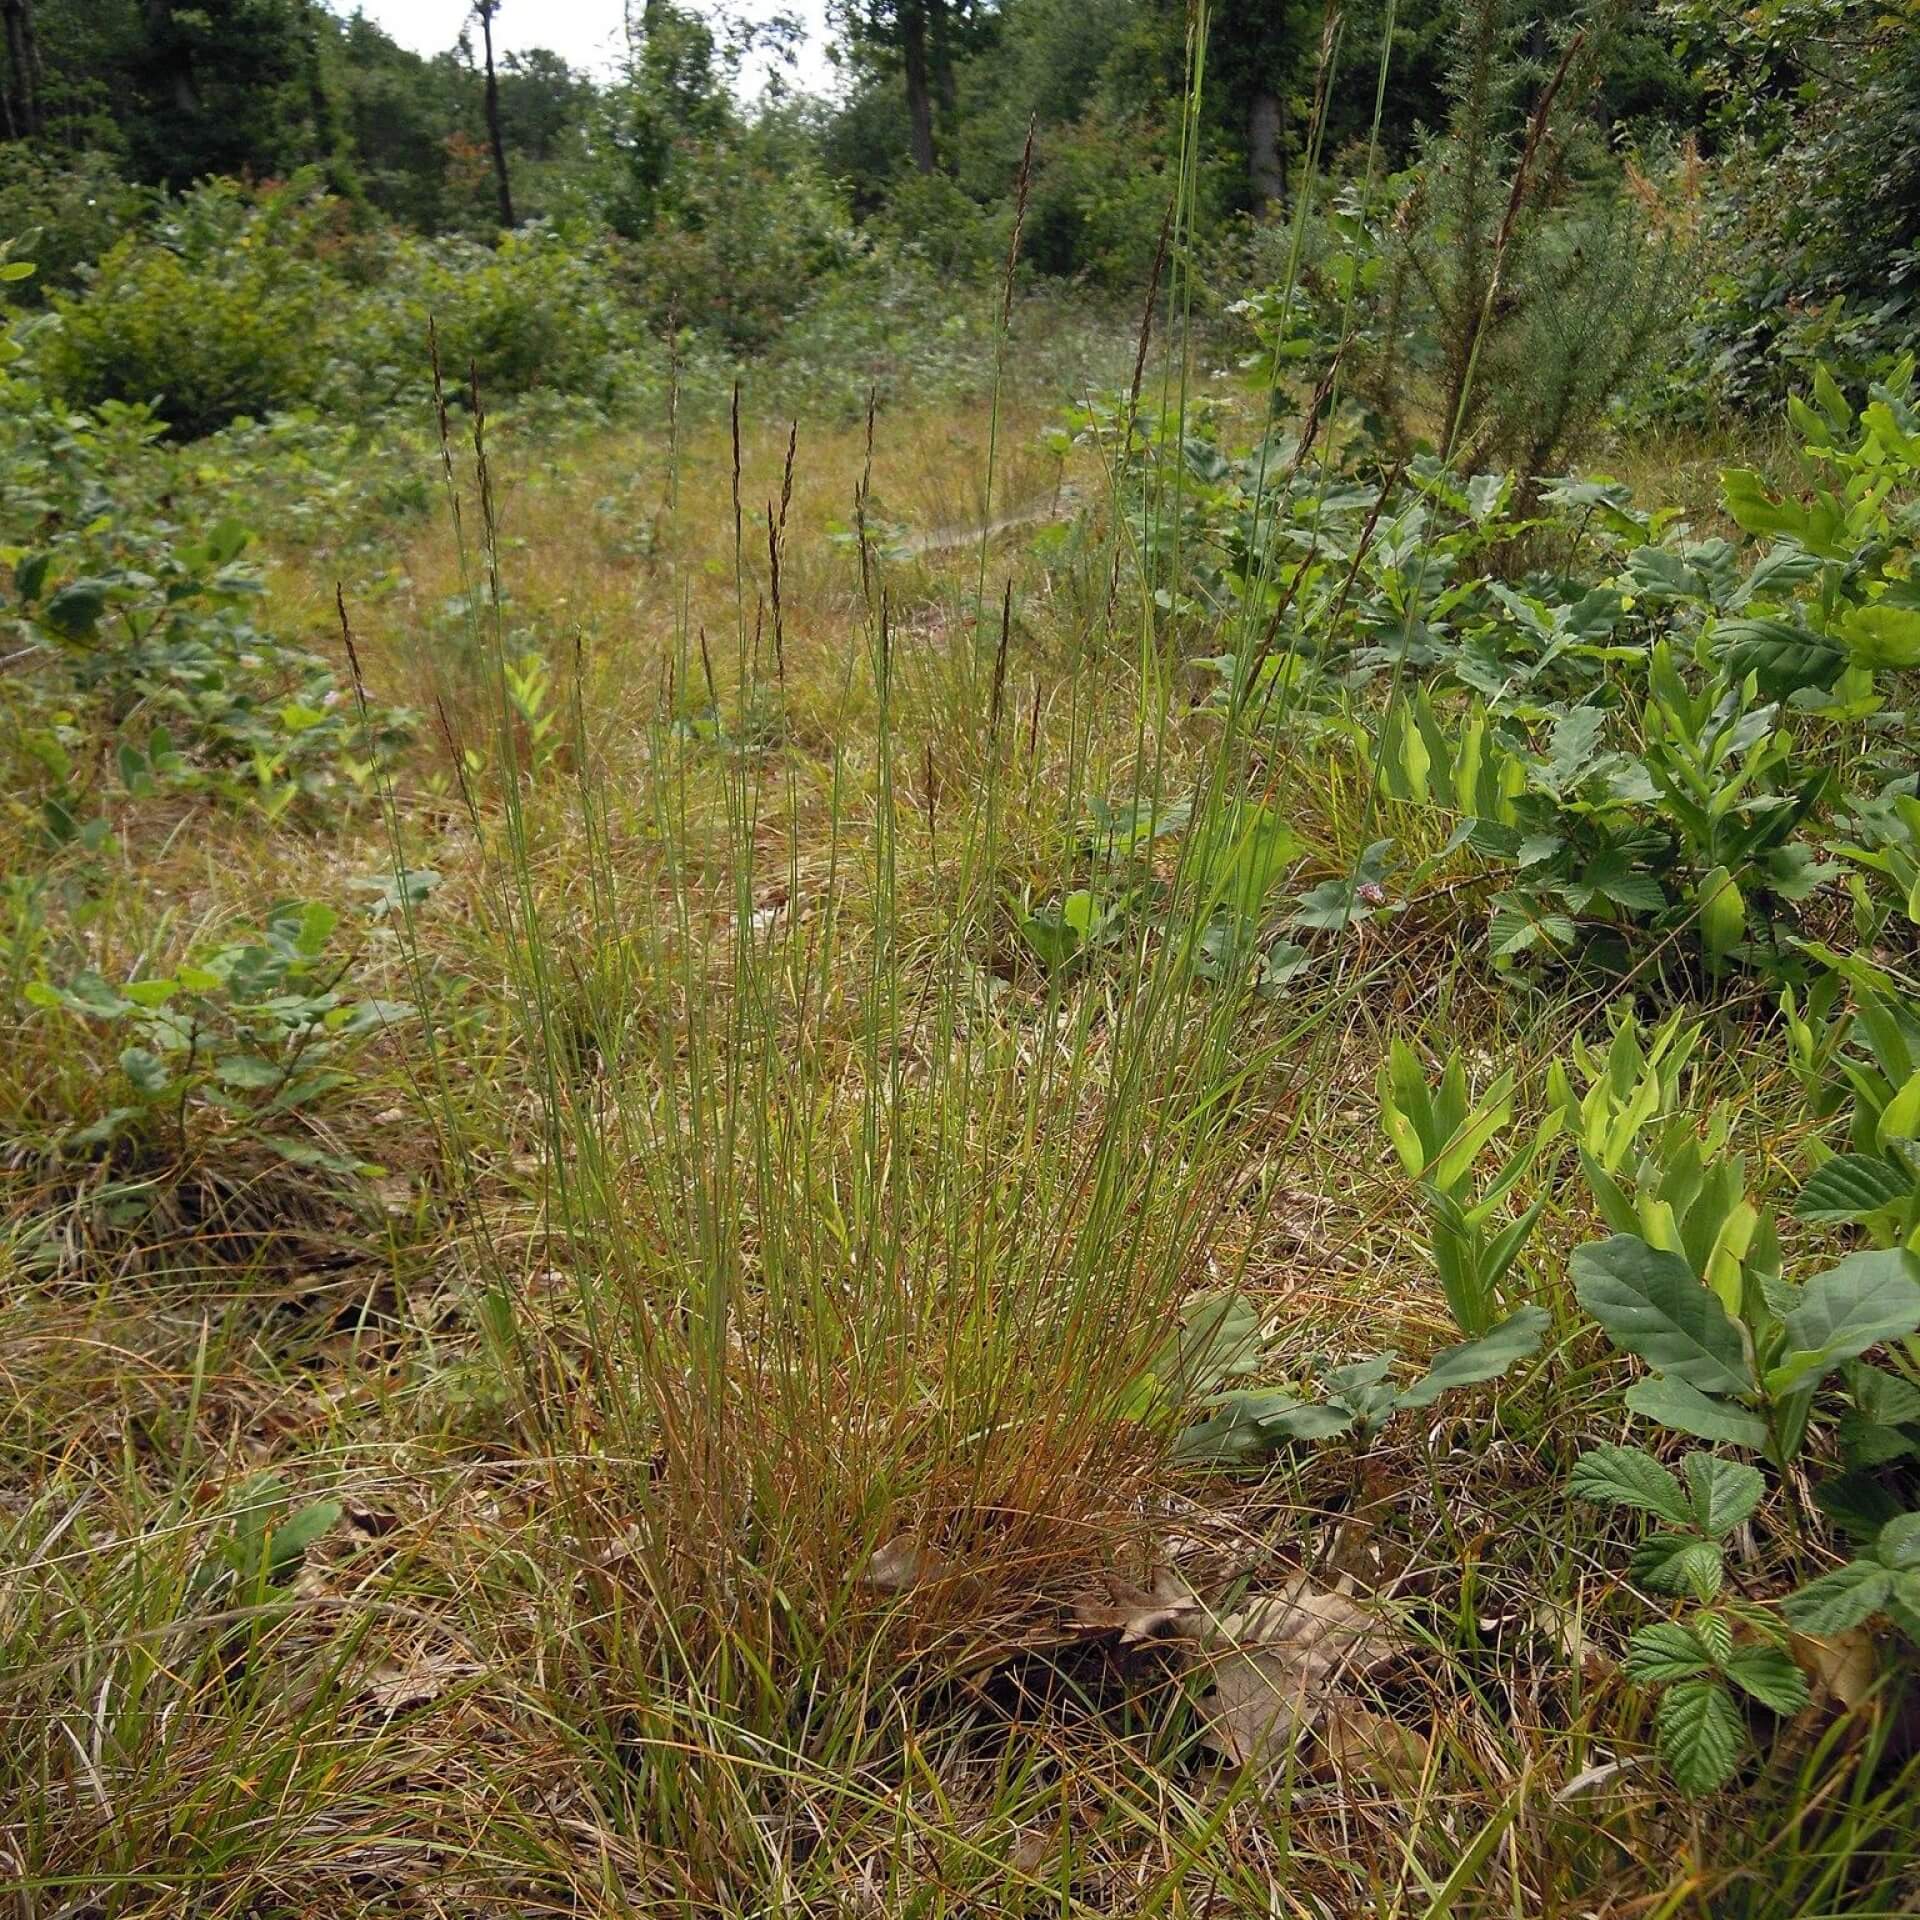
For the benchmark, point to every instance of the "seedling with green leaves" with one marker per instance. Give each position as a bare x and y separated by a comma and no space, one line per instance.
1634,1083
1354,1400
260,1030
266,1543
1876,1183
1439,1132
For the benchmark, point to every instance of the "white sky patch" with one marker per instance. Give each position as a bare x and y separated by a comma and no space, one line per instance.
588,34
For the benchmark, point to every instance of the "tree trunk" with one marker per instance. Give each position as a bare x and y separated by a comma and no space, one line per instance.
940,59
173,56
913,50
484,8
23,61
327,143
1266,171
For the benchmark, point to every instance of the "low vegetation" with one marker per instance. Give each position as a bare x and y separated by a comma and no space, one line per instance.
914,1093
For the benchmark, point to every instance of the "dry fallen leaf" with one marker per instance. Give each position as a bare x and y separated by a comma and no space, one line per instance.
1359,1741
365,1522
1841,1665
394,1687
1032,1851
1591,1780
1559,1626
394,1192
1166,1606
903,1563
1273,1665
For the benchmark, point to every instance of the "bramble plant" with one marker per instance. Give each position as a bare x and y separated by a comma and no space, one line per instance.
1698,1660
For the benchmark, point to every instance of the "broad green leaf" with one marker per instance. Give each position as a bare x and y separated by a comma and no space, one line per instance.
289,1542
146,1070
1626,1477
1852,1185
304,1153
1219,1334
1651,1305
1686,1410
1903,1603
1887,1398
1859,1504
1700,1733
1475,1361
1665,1651
317,922
1306,1422
1723,1492
1900,1117
247,1071
1723,913
1782,656
1770,1675
1867,1298
150,993
74,612
1753,508
1898,1546
1672,1403
1249,1424
1840,1599
1881,635
1679,1563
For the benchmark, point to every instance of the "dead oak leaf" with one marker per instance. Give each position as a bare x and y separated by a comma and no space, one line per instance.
397,1686
1359,1741
902,1564
1274,1665
1842,1666
1165,1607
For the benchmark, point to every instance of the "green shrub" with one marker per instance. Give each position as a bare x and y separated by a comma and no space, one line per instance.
541,310
70,214
215,312
745,237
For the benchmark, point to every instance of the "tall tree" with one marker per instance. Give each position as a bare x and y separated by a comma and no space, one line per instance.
1262,52
910,24
484,11
21,102
922,39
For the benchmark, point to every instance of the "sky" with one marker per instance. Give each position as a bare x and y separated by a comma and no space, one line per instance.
585,33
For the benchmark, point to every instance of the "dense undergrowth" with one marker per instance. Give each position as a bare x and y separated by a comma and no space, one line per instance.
973,1153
